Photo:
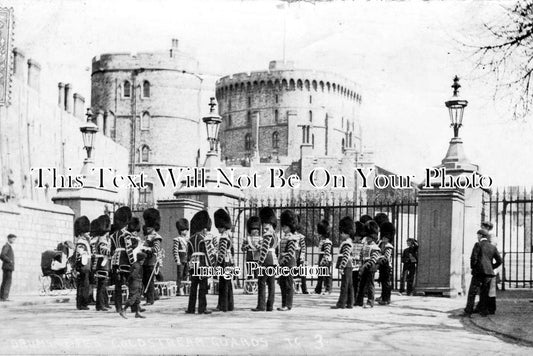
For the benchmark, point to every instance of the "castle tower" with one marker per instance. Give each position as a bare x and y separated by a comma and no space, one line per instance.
283,113
162,91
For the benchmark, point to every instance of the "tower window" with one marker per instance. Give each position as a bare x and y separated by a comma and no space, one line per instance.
145,121
248,142
277,98
310,116
310,99
249,118
276,116
145,154
127,89
275,140
229,120
146,89
249,101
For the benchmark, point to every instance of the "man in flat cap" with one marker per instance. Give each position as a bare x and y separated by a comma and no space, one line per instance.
484,259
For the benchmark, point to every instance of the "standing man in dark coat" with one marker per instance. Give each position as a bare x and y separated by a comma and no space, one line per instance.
8,258
481,263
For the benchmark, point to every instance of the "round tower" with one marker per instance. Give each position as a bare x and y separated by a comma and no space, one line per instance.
162,91
277,113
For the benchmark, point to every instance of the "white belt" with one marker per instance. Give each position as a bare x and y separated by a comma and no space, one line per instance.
198,254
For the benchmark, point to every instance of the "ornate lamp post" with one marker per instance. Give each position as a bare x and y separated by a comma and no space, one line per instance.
455,157
212,123
456,107
88,131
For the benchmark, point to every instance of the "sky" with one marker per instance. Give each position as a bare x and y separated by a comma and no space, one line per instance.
402,55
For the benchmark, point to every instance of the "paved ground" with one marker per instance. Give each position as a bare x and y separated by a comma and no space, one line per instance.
411,325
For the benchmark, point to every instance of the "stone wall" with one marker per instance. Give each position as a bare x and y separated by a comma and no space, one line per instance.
39,227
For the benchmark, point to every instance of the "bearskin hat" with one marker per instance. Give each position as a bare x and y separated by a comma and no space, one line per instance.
388,230
182,224
222,219
323,228
359,229
372,229
121,217
253,223
134,225
106,222
97,227
82,225
200,221
346,225
381,218
288,218
268,216
365,218
152,218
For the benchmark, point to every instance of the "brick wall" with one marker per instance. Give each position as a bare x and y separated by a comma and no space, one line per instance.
38,227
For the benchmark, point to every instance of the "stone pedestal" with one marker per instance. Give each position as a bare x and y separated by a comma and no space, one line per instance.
447,225
440,234
89,201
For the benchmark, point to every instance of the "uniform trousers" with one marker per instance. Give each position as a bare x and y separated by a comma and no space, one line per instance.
102,301
366,286
181,276
324,280
83,289
346,294
385,280
225,292
286,284
121,279
198,287
355,282
264,282
303,278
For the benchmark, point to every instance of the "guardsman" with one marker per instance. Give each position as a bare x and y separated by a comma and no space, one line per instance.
82,228
301,252
252,245
369,257
287,258
120,264
358,243
386,232
100,265
345,263
179,250
152,221
267,260
325,257
224,259
135,278
198,256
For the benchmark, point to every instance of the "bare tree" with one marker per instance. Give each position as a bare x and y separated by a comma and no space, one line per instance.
508,55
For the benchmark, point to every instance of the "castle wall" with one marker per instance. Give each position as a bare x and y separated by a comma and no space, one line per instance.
288,99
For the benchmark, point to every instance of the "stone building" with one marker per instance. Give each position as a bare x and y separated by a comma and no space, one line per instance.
165,94
273,113
36,133
291,118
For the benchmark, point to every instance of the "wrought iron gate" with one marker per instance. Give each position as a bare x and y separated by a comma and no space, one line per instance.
402,213
511,212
